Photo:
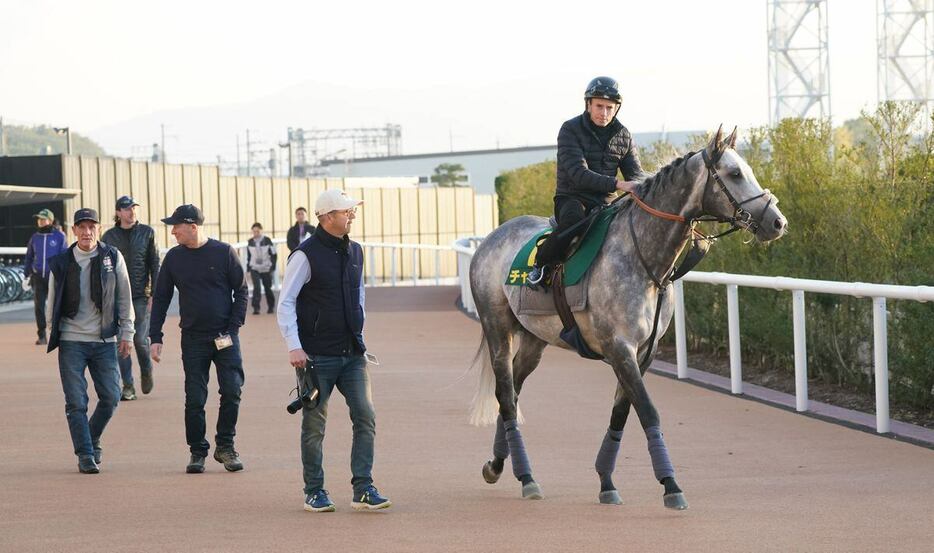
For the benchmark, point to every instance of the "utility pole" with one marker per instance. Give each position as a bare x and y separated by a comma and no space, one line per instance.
67,132
238,154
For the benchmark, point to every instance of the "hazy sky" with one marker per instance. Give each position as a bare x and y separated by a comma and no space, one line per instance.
477,72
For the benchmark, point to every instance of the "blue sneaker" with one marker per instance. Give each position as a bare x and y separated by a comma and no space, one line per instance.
319,502
370,500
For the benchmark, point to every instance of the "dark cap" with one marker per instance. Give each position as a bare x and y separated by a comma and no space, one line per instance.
124,202
86,214
187,213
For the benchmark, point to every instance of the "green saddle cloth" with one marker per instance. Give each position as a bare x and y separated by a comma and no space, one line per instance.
575,267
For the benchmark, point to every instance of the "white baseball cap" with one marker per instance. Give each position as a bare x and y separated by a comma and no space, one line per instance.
334,200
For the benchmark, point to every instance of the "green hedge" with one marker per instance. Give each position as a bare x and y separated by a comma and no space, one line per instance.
860,204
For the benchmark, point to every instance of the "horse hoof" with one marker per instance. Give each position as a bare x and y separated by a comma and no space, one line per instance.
532,491
490,475
675,501
610,497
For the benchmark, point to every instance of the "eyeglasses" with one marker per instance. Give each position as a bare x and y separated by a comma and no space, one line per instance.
346,212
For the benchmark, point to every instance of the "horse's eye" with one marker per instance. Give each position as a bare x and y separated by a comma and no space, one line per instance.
736,174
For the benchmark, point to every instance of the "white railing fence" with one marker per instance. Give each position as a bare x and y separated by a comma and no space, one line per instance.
879,293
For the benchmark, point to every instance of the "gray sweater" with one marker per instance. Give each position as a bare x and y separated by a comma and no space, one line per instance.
85,326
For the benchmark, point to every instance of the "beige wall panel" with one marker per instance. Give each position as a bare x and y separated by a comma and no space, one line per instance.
369,228
191,185
210,198
392,228
317,186
122,178
298,197
155,177
108,187
263,201
174,193
246,207
71,172
139,190
227,200
464,208
447,210
428,215
484,215
409,221
333,182
281,209
90,189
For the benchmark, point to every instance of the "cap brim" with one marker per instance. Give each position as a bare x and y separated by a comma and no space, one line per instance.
171,221
86,219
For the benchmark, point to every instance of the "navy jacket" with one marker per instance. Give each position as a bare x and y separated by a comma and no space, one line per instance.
43,246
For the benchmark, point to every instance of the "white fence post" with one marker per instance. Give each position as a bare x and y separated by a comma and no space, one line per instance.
392,252
437,267
801,352
736,364
881,354
372,265
414,267
681,348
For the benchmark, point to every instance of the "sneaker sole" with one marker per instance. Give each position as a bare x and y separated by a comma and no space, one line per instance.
194,470
367,507
328,509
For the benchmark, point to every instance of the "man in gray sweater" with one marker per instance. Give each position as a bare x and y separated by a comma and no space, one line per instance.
90,307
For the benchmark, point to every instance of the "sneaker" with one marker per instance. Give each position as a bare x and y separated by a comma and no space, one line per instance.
256,310
41,341
195,464
146,381
86,465
319,502
229,458
271,309
370,500
96,444
129,393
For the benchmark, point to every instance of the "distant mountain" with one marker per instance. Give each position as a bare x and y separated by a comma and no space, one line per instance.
43,140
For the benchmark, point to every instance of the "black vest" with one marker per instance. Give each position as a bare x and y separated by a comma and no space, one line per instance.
330,317
111,298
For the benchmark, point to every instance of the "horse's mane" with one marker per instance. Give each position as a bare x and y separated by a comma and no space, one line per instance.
652,183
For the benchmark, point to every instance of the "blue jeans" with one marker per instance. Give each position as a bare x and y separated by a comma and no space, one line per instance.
140,342
100,358
350,376
198,352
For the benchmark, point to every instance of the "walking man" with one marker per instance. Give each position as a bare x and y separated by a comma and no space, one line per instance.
137,244
321,317
261,262
90,306
212,296
300,231
46,243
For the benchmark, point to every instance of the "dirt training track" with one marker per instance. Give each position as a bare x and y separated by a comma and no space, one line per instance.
757,478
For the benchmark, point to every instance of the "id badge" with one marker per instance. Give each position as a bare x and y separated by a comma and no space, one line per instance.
223,341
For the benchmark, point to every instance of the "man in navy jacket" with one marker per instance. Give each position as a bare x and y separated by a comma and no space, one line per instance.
45,244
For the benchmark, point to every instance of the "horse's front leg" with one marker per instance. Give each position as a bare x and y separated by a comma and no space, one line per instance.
609,449
630,379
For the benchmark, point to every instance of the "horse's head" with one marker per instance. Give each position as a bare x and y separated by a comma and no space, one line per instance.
733,194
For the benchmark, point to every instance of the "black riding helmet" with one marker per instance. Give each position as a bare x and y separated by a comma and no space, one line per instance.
603,87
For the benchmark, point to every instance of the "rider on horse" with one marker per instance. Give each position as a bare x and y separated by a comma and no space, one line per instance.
592,148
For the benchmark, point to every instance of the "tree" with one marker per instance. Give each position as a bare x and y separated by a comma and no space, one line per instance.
31,141
450,174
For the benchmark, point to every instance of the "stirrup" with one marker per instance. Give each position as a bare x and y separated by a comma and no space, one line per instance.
536,276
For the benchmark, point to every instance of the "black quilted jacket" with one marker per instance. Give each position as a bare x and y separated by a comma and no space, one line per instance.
139,250
586,167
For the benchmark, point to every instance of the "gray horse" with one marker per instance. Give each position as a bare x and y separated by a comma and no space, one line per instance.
639,251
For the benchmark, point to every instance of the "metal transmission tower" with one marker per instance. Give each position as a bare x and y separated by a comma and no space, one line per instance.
905,33
799,65
309,147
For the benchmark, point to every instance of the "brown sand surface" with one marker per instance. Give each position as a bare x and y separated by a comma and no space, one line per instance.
757,478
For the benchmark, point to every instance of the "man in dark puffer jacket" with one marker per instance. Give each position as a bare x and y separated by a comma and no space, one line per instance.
592,148
137,243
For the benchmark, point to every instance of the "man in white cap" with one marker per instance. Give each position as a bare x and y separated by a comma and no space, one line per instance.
321,317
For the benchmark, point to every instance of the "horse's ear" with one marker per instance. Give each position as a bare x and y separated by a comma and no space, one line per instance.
715,146
731,140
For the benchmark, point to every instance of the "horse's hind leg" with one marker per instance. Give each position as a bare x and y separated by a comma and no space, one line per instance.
627,370
527,357
609,449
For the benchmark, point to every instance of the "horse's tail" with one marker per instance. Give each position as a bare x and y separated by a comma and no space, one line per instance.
484,408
